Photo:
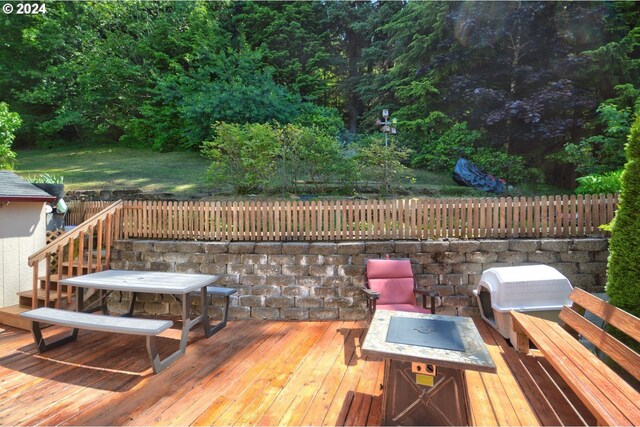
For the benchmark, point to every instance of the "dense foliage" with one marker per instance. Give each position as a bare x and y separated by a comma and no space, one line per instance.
624,247
382,164
250,156
9,123
604,183
527,90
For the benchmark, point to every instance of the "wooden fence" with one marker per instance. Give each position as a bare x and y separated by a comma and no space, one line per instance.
428,218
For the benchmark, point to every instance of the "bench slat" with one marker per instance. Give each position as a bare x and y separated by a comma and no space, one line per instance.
598,387
123,325
627,323
619,392
218,291
619,352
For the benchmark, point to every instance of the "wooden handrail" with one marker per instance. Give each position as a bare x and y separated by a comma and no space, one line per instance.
73,234
105,224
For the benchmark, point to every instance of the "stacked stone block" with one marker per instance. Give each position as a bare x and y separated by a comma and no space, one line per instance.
322,280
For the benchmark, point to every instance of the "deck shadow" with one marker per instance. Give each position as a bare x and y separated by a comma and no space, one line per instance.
83,362
353,339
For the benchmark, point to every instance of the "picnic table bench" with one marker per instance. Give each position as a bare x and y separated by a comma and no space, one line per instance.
94,322
611,399
182,285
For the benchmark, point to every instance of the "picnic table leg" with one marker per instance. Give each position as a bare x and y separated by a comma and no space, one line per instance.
44,346
210,292
186,321
205,312
159,365
103,301
212,329
132,304
80,299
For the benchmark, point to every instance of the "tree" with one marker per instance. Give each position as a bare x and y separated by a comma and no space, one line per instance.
9,123
293,41
354,25
508,69
624,246
604,150
151,74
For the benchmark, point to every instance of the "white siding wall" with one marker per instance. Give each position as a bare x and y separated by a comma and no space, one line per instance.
22,232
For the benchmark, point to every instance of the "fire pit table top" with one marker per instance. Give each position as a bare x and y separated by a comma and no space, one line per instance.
427,338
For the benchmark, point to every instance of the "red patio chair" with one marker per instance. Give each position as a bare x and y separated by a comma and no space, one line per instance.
390,285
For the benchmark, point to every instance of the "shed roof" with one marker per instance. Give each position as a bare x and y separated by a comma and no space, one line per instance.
14,188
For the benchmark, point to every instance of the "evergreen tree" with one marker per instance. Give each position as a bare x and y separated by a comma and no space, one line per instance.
623,270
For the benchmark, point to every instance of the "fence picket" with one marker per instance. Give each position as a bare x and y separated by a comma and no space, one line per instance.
552,216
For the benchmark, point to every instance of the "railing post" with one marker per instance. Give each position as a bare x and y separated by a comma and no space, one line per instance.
34,294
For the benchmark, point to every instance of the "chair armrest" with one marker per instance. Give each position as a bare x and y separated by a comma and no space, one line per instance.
371,294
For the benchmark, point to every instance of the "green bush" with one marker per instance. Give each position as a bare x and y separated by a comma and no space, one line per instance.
382,164
447,140
623,273
311,155
265,157
244,156
604,183
509,167
9,123
604,151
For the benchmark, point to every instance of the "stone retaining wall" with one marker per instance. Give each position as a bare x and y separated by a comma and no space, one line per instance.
321,280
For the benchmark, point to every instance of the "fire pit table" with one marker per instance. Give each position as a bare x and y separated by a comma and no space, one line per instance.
425,357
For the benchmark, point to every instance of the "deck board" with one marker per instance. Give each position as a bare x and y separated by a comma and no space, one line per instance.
251,373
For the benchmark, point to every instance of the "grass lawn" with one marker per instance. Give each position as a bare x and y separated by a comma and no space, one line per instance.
119,168
184,174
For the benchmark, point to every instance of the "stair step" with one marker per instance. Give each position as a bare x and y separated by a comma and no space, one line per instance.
10,316
53,279
25,297
76,263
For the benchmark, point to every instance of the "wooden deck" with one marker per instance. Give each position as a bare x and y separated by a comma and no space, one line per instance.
251,373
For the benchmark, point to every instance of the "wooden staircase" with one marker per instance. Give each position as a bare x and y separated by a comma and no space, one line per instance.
45,296
88,246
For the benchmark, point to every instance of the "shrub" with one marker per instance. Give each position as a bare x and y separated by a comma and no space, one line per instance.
447,140
604,183
374,160
313,155
443,147
9,123
244,156
623,273
260,157
506,166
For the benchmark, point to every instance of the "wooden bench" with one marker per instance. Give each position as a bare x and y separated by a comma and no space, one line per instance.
121,325
611,399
